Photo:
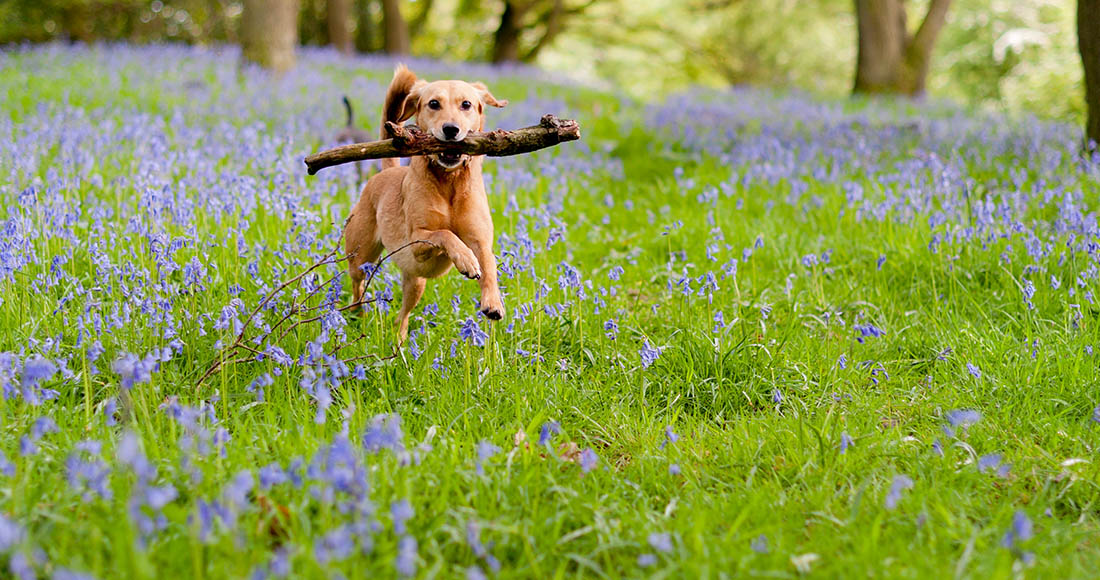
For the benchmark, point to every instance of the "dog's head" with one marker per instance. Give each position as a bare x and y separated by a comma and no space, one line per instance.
449,110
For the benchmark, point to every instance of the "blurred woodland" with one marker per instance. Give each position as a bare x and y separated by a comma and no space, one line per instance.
1015,55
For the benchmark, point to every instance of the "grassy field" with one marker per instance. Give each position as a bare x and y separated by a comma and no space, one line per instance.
748,334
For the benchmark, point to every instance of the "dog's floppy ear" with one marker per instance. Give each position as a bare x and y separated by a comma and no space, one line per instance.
486,96
412,102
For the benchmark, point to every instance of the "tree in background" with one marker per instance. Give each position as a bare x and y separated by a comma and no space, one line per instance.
396,30
545,18
269,33
1088,42
339,26
889,59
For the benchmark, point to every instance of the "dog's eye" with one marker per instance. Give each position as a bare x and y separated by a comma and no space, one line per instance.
466,105
433,104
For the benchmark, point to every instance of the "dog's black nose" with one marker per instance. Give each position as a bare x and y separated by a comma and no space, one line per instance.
450,130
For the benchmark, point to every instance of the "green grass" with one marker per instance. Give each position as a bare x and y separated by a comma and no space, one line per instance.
748,466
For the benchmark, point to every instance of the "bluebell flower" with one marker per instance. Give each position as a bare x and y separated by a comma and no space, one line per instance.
662,542
899,484
611,328
973,370
11,533
485,451
271,475
334,546
110,407
66,574
548,431
401,511
471,331
649,354
1021,530
21,566
760,544
719,321
406,556
384,432
670,436
674,469
647,560
989,461
963,417
1028,291
588,460
845,442
475,573
42,426
868,330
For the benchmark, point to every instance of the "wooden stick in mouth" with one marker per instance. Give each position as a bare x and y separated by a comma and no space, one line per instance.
411,141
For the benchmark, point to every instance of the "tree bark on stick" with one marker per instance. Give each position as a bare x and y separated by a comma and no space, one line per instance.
339,26
269,33
410,142
890,60
1088,43
395,28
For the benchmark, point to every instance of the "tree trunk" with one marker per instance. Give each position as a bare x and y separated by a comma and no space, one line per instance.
269,33
339,26
889,59
366,33
1088,42
396,30
506,39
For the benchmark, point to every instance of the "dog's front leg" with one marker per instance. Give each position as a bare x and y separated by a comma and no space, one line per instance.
457,251
491,304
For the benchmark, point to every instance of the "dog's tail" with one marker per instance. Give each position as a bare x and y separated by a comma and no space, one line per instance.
394,108
347,109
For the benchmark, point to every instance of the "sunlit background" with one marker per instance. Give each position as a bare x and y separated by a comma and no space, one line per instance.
1010,55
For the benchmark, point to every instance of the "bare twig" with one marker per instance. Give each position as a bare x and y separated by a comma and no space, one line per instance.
224,359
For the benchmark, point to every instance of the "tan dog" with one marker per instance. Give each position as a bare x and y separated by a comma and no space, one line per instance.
438,199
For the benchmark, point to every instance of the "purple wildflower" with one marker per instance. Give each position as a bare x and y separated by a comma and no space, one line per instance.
471,331
899,484
649,354
845,442
401,511
406,556
588,460
548,431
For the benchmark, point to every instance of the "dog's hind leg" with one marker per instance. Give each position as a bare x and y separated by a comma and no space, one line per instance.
370,255
362,246
412,288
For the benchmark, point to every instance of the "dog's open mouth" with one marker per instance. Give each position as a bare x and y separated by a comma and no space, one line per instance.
449,159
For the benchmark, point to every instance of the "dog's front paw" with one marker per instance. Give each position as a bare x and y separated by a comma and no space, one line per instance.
492,308
467,265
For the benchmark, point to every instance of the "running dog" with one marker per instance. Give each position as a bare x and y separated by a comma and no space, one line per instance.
435,207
